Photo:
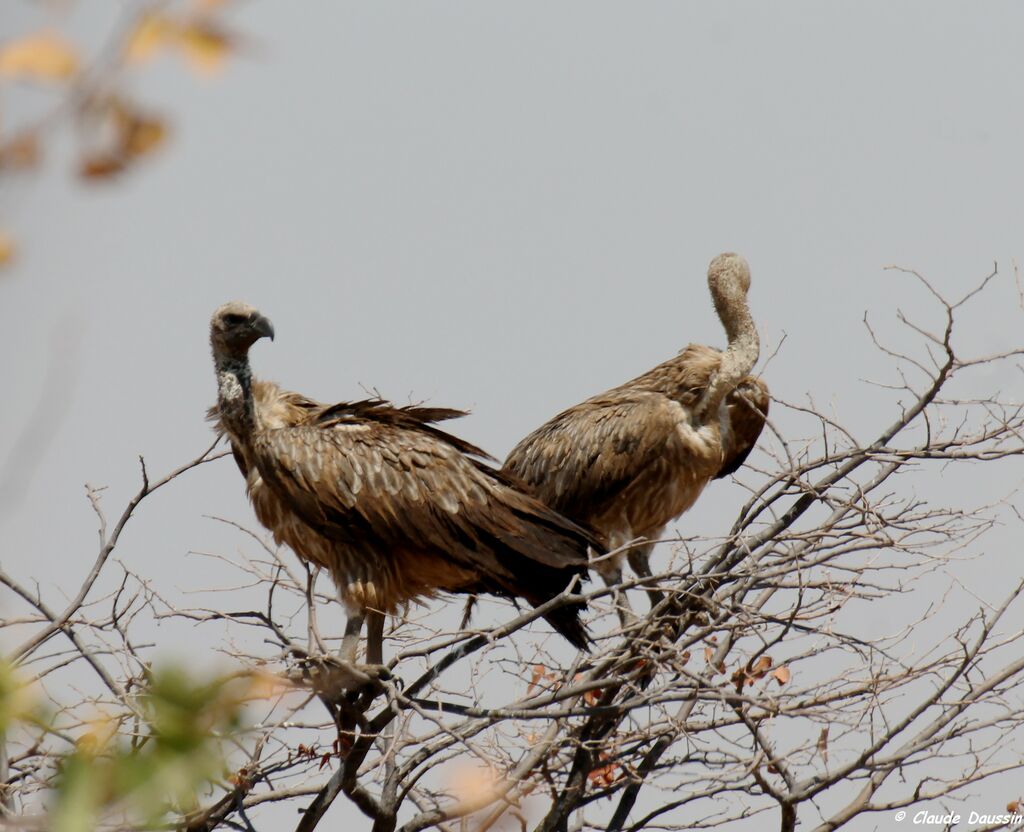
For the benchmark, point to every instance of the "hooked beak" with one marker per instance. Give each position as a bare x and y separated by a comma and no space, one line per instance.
263,327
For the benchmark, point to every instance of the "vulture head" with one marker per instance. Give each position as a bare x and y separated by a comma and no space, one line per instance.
235,327
728,280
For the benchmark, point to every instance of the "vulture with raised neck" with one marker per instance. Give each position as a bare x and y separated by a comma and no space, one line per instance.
630,460
393,507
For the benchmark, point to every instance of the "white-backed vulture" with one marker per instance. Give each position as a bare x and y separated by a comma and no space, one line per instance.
628,461
392,506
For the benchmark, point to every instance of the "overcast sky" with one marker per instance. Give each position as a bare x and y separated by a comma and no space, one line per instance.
505,207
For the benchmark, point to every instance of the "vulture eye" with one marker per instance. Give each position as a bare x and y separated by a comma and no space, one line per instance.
234,320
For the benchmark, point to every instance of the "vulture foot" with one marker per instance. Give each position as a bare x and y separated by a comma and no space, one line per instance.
330,676
613,580
640,562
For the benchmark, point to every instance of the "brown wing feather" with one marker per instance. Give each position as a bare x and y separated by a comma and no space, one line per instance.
386,491
397,509
747,408
630,460
586,456
412,417
584,459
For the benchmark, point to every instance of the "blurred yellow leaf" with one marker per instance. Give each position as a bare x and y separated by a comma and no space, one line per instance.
6,249
154,32
45,56
20,153
204,46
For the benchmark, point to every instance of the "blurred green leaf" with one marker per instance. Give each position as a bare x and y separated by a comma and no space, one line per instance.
181,724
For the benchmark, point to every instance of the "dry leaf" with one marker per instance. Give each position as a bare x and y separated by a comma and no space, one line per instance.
1013,807
101,166
43,57
782,675
538,673
140,136
760,668
204,46
591,697
134,135
823,744
605,775
20,153
542,678
6,249
153,33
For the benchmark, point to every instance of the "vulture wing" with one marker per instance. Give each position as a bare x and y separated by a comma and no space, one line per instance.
585,457
686,377
747,406
370,476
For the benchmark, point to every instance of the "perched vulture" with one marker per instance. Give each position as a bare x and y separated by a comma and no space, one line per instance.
628,461
395,508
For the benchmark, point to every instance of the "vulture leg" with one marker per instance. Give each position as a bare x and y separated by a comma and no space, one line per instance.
611,573
374,637
354,675
350,643
640,562
612,578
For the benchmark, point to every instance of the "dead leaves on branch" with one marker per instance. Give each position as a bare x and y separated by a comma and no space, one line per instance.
87,85
606,775
755,671
130,135
199,39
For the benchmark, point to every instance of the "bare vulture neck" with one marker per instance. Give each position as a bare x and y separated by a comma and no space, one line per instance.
740,356
234,394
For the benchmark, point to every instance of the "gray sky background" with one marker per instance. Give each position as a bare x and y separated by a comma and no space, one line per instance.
506,207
